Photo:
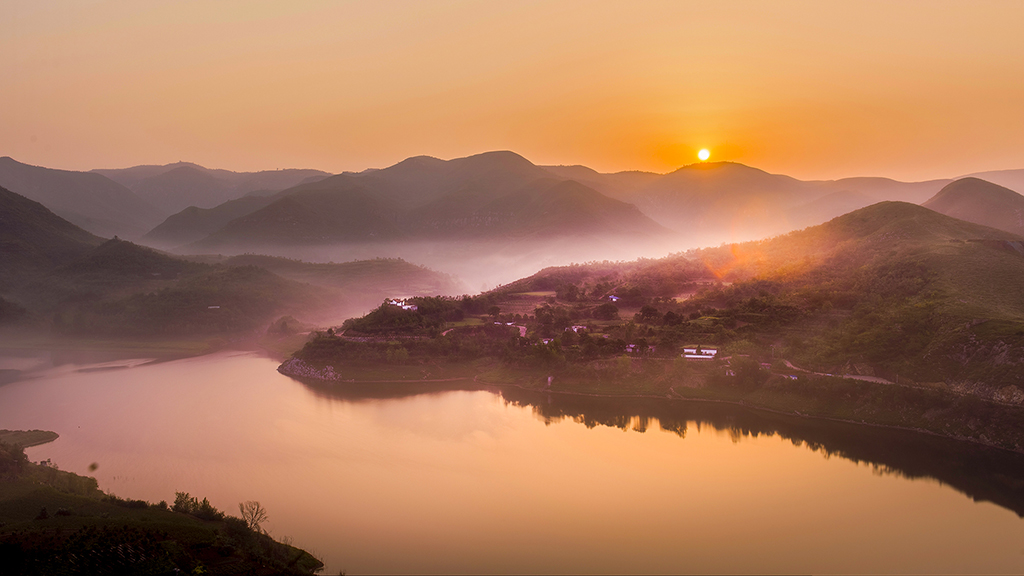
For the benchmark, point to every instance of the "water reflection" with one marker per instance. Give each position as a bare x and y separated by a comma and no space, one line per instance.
981,473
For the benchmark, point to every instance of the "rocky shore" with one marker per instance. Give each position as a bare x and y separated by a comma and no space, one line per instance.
300,369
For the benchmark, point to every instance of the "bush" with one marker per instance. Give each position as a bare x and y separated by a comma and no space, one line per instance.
12,460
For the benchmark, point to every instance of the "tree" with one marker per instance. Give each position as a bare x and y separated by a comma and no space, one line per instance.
647,315
606,311
254,514
494,311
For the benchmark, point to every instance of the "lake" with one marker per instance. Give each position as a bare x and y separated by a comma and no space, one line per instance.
392,479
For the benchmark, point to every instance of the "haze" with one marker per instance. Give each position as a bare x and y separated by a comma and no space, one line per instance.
814,90
472,287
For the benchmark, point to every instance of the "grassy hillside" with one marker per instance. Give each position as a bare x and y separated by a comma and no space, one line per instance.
121,289
33,239
56,522
897,286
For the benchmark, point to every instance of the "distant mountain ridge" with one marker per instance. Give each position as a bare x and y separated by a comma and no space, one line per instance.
981,202
491,195
194,223
173,187
90,201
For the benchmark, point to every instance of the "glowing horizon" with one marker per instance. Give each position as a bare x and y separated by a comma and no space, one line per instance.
815,91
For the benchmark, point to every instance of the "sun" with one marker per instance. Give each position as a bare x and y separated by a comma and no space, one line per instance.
703,154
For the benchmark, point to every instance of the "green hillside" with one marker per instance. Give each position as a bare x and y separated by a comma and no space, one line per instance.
33,239
121,289
920,314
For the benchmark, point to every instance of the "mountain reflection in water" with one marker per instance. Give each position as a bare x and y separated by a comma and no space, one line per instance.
984,474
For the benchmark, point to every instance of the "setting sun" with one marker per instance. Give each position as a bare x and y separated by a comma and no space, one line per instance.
703,154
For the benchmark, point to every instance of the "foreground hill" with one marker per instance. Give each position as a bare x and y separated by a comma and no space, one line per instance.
56,522
896,287
174,187
90,201
893,314
34,239
981,202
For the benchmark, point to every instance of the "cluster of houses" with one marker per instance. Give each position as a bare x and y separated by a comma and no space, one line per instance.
403,304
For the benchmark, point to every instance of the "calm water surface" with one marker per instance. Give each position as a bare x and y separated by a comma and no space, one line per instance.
488,481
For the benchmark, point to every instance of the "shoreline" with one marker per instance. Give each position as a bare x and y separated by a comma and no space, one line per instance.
27,438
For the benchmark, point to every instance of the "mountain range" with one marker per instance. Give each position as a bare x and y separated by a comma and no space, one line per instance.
90,201
487,196
433,210
501,195
63,279
173,187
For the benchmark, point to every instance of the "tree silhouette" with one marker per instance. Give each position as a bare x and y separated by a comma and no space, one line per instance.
254,514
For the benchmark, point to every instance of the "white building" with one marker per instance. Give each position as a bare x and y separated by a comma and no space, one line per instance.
699,353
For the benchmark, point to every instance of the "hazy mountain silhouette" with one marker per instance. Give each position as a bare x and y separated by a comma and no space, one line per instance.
33,239
184,186
1012,179
173,187
981,202
90,201
419,180
727,201
617,185
193,223
311,217
491,195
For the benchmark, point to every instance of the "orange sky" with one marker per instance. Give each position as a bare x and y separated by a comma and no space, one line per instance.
811,89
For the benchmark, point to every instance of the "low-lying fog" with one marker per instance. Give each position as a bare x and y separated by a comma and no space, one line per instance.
482,265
